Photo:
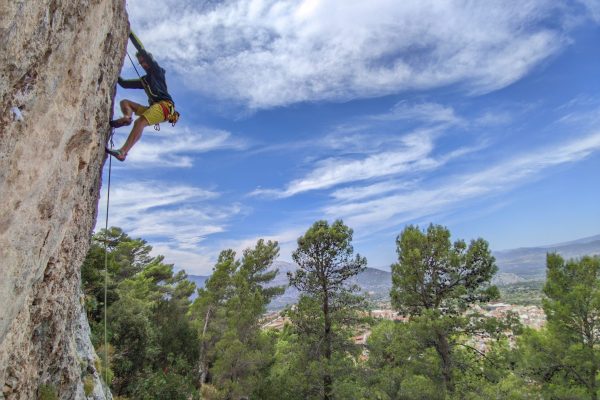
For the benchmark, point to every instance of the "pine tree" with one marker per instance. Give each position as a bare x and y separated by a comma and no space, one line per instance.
149,332
565,356
326,259
208,309
435,281
234,350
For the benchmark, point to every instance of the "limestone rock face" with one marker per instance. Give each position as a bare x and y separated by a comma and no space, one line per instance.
59,62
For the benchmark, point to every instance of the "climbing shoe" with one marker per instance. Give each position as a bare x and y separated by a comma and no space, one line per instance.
117,123
116,153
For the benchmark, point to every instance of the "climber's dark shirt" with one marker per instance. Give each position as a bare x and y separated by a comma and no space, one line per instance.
154,82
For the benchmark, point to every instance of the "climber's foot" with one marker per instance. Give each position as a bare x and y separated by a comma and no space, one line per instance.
116,153
123,121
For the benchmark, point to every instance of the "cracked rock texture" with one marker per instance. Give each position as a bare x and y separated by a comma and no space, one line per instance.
59,63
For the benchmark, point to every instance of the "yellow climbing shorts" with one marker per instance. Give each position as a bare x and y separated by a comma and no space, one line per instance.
153,114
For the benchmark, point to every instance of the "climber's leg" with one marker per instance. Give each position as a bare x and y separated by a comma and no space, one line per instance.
152,115
134,136
128,107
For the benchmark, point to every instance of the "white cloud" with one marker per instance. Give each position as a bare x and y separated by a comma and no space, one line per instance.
425,112
498,117
193,262
180,215
267,53
173,147
412,155
403,206
367,157
582,112
593,8
355,193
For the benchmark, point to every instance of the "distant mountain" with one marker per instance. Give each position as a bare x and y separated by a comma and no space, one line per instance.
199,280
515,267
374,283
529,263
291,294
507,278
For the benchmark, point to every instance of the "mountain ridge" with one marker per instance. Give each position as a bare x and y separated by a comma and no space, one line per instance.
514,266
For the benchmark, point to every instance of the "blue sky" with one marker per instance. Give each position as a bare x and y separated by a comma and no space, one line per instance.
481,116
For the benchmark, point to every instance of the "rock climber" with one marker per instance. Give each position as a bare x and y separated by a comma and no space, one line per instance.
161,106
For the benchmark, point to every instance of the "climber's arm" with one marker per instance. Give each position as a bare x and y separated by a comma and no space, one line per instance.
130,83
142,51
136,42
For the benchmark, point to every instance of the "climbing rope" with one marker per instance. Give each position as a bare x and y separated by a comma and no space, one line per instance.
106,363
132,63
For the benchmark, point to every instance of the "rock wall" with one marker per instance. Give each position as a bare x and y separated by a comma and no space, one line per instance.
58,67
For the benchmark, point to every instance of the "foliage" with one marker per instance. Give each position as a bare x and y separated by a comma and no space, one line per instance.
564,357
327,309
399,365
88,385
148,329
47,392
234,351
165,385
433,274
434,282
162,346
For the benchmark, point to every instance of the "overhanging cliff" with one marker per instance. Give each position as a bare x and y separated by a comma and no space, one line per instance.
59,63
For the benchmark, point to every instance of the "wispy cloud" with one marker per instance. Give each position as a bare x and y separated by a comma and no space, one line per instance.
195,262
363,156
412,155
581,111
405,205
593,8
355,193
427,112
184,214
267,53
174,147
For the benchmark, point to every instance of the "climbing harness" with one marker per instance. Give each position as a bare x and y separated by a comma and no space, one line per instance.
173,116
169,112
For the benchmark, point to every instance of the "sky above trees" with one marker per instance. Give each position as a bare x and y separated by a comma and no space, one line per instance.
483,117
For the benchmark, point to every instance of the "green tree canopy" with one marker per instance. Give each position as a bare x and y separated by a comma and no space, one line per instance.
233,350
326,259
434,274
149,334
435,281
565,357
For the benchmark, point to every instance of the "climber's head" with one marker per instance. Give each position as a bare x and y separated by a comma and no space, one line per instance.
144,60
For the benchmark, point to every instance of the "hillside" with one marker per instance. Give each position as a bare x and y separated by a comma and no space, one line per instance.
529,263
520,273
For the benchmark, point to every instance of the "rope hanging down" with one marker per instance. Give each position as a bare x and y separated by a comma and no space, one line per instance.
106,363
